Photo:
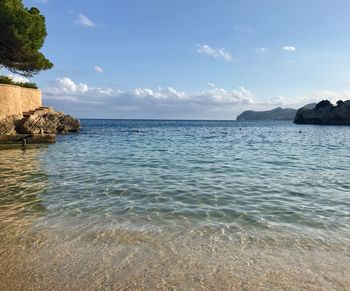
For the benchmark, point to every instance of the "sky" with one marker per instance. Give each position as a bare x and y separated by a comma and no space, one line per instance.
192,59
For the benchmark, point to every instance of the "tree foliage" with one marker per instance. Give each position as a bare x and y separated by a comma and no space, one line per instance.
22,35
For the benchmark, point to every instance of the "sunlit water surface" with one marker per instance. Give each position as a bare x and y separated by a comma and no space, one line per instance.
183,204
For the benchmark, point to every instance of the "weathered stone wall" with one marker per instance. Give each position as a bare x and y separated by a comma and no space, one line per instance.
14,100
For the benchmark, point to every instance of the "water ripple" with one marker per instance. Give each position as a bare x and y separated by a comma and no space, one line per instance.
264,185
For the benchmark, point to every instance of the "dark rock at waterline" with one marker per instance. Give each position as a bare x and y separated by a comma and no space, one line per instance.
325,113
274,114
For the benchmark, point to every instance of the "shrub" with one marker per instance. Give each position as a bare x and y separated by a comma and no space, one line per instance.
5,80
27,85
9,81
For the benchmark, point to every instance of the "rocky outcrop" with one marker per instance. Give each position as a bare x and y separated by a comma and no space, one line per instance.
8,124
40,121
325,113
48,121
274,114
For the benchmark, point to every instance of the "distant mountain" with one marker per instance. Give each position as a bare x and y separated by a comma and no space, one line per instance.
274,114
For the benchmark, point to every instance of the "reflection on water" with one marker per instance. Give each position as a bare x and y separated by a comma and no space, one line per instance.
155,205
22,181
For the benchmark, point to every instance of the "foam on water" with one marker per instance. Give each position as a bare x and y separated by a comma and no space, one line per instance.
197,204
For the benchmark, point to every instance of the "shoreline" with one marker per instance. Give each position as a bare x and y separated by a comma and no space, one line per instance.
23,140
119,259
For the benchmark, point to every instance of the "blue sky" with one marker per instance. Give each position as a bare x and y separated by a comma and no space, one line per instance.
193,59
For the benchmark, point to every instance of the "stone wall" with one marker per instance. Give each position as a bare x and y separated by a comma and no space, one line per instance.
15,100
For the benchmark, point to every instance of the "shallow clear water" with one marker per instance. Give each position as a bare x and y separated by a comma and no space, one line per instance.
202,204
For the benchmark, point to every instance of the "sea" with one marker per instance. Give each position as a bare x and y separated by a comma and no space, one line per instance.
178,205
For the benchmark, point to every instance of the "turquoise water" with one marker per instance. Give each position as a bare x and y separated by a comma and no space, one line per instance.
205,198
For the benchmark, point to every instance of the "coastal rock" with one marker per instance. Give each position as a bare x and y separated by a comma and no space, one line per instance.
8,125
48,121
325,113
274,114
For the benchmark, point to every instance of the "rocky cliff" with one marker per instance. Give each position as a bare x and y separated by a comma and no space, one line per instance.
325,113
40,121
274,114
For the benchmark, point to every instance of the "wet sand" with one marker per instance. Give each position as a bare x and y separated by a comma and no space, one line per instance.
118,260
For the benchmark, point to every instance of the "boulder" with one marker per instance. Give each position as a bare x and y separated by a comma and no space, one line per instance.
8,124
48,121
325,113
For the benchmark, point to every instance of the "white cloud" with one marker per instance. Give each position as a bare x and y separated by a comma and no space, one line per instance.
223,96
65,89
215,53
289,48
165,94
18,78
312,97
98,69
169,102
83,20
162,102
293,102
332,96
65,86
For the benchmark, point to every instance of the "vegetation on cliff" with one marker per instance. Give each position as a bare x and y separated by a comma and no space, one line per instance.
23,32
9,81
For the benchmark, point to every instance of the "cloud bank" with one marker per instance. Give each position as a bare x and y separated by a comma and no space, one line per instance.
214,102
84,100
